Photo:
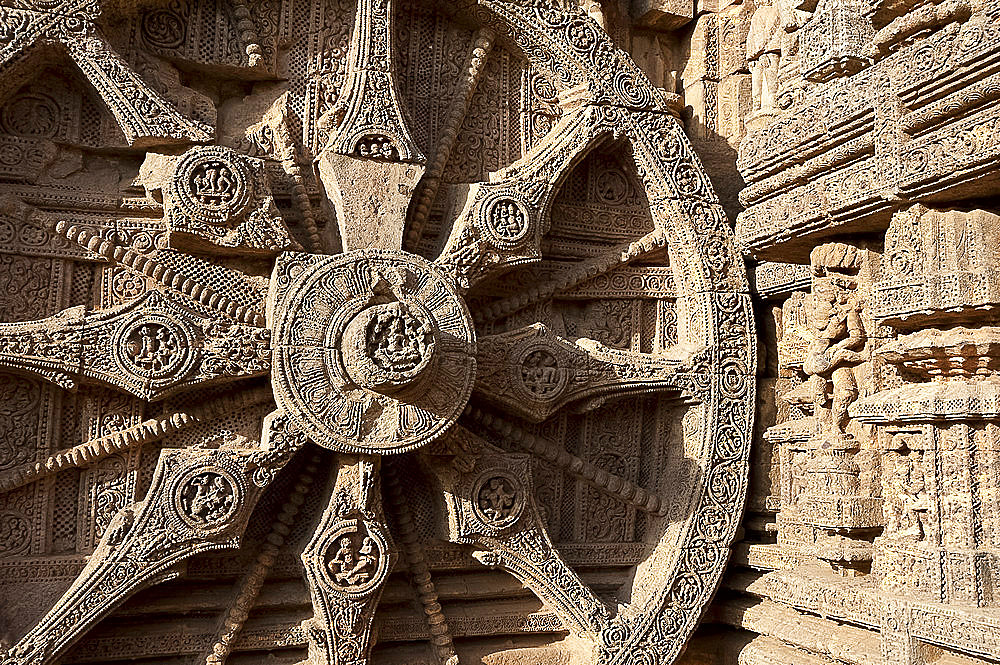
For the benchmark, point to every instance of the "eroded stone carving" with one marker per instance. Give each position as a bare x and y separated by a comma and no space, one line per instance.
878,470
508,366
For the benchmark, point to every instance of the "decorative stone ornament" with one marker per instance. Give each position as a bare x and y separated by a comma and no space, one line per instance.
387,347
154,348
466,335
206,498
212,185
217,198
374,351
355,556
499,498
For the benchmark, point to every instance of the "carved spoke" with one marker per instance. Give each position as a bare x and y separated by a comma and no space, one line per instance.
347,562
491,507
167,277
568,279
251,583
464,90
199,500
602,480
532,372
152,347
502,220
148,431
417,564
144,116
371,164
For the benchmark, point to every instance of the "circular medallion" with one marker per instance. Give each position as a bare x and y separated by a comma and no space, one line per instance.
538,373
355,557
206,498
153,347
507,222
163,28
32,115
374,351
211,184
388,346
498,499
11,154
612,186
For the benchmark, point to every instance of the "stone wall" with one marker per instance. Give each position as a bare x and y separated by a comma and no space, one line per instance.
868,212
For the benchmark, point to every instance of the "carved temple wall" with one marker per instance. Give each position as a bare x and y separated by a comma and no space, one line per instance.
868,212
500,331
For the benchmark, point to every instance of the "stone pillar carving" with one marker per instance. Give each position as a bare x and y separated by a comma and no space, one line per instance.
830,509
940,429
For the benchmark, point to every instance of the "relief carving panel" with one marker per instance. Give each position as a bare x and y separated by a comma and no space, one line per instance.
356,316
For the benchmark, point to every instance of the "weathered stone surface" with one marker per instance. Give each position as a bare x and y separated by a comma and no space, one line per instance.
361,332
417,332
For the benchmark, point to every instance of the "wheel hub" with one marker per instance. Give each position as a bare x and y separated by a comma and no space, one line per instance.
374,350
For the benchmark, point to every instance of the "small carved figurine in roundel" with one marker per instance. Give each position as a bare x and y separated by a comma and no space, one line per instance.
540,375
206,498
507,222
212,184
152,347
355,558
389,345
498,499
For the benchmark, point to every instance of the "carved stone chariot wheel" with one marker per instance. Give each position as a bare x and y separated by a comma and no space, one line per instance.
532,341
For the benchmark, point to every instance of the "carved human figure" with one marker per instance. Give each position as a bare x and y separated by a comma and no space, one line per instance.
764,54
834,318
152,347
208,498
213,184
397,339
351,568
497,500
911,496
539,371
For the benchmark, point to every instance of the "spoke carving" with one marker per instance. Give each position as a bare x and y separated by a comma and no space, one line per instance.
416,562
251,583
502,220
373,122
491,507
150,348
428,188
148,431
371,164
199,500
144,116
616,258
532,372
614,485
152,268
347,562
